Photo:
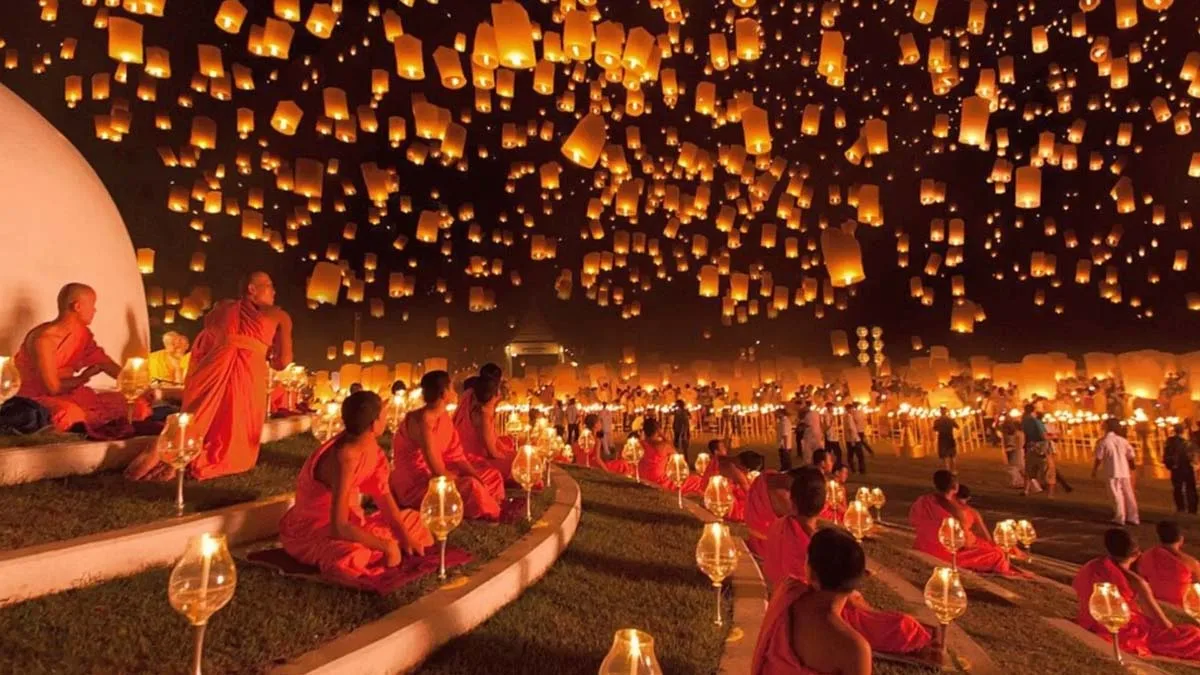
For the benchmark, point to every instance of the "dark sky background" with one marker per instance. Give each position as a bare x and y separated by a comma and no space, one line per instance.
673,320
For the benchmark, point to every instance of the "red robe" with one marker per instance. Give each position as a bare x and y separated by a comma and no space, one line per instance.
774,654
226,387
1165,572
786,557
653,467
82,405
592,459
695,485
1141,635
305,531
979,555
472,441
481,496
760,513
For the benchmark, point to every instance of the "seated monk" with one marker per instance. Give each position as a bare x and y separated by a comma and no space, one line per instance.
594,429
474,420
168,366
656,452
1167,569
56,360
226,386
803,630
327,528
786,553
722,464
767,500
926,515
974,522
841,473
1149,631
427,445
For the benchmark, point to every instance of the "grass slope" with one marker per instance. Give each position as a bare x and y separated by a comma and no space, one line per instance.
632,564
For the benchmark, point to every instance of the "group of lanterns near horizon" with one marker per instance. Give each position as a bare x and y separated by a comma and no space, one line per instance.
728,203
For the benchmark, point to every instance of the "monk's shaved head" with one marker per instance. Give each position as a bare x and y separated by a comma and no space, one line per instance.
260,289
71,293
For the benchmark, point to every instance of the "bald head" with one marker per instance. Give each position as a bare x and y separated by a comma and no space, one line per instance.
77,300
260,290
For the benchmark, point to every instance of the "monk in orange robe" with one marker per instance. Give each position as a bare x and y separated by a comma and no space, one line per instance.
474,420
767,500
1149,631
656,452
1167,569
57,359
427,445
226,386
928,512
327,528
786,555
595,430
721,464
803,630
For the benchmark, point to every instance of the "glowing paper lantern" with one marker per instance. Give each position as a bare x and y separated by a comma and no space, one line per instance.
325,285
124,40
514,35
843,257
586,142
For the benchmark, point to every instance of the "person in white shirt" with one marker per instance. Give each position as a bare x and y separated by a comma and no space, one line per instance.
572,421
1116,455
811,440
786,438
829,424
854,429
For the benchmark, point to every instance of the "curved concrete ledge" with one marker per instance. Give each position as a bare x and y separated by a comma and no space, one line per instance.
59,566
39,462
400,641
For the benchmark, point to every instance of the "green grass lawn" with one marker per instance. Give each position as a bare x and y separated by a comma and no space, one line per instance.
126,625
74,506
632,564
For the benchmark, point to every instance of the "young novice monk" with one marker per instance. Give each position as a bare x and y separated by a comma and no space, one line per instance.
427,445
656,452
474,420
1149,631
721,464
803,630
786,551
767,500
926,515
592,426
327,528
1167,569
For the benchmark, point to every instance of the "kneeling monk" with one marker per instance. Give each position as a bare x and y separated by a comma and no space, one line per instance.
786,554
57,359
927,514
1167,569
474,420
721,464
427,445
803,630
1149,631
327,528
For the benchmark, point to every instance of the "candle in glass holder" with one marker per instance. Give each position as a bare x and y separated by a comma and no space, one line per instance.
177,446
702,461
527,470
1005,535
945,596
677,471
1191,601
201,583
835,498
952,537
858,519
587,445
718,496
1110,610
632,452
10,378
1026,535
133,381
441,512
717,556
632,653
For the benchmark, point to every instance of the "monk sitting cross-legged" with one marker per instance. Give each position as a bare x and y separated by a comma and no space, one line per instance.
1167,569
427,445
474,420
327,527
1149,631
803,630
590,457
721,464
926,515
786,553
56,360
656,452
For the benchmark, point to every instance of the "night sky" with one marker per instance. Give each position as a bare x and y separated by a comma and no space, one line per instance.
674,321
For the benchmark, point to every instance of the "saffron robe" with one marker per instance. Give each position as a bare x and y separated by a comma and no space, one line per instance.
410,477
773,653
695,485
652,468
82,405
760,513
305,531
1167,575
167,370
1141,636
226,387
472,441
786,557
926,516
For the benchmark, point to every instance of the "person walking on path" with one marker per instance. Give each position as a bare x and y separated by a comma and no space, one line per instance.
1179,456
1116,455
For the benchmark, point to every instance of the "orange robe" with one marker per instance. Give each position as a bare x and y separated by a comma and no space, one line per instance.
786,557
472,441
1165,572
1141,635
926,516
82,405
481,496
652,468
591,459
226,387
774,654
695,485
760,513
306,529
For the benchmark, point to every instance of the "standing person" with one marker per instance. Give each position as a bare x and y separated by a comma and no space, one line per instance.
606,428
854,437
1012,440
829,427
681,427
1039,453
810,441
1116,455
1179,457
945,426
226,387
783,431
860,424
558,419
572,421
